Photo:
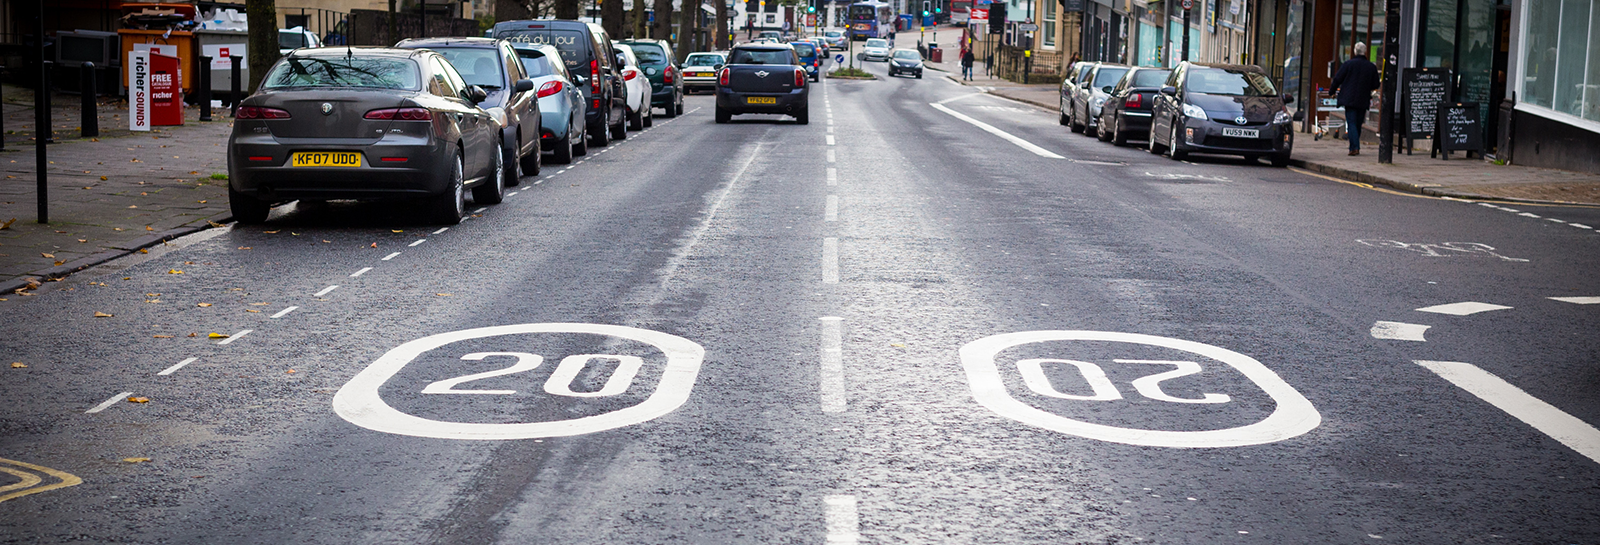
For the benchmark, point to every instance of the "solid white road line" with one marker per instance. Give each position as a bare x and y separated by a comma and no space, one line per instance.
360,272
284,312
1024,144
830,260
108,403
1463,308
325,291
235,336
441,230
830,211
833,176
831,370
390,256
419,241
176,367
1578,300
962,97
1398,331
1563,427
844,524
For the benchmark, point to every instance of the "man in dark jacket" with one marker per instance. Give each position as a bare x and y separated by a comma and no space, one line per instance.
966,64
1353,84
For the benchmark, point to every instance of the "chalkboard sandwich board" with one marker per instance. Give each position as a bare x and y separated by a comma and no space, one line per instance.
1459,129
1423,90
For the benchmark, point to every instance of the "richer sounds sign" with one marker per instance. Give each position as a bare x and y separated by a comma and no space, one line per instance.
155,94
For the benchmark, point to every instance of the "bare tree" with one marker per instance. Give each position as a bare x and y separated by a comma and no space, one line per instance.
721,42
638,24
262,16
567,9
511,10
663,27
686,29
394,26
613,18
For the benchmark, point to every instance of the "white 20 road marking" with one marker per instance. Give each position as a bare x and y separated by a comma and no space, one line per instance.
1293,416
359,401
1024,144
1563,427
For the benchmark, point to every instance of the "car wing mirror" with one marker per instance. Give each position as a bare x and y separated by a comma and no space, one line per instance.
522,85
1106,89
475,94
1288,99
580,80
1169,91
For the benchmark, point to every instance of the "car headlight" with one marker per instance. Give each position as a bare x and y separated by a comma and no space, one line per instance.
1282,117
1194,111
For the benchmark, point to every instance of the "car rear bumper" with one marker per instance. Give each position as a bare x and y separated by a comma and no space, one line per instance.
786,103
1133,122
665,97
1205,136
394,167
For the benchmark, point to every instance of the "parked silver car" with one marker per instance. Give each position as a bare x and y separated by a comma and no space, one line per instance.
562,130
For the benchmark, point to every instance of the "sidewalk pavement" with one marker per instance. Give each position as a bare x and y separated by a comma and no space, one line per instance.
108,196
1459,177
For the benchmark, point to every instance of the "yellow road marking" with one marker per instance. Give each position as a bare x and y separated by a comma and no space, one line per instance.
29,480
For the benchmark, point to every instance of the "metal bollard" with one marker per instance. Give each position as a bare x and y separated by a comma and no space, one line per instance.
233,91
89,121
205,88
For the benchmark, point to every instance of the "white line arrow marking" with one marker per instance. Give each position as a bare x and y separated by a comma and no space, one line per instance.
1463,308
1398,331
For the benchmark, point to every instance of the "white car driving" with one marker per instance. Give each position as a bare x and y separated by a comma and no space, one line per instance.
640,114
877,49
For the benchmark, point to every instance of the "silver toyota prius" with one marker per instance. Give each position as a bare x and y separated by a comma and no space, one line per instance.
363,123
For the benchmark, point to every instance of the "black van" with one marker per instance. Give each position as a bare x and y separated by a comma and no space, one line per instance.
592,61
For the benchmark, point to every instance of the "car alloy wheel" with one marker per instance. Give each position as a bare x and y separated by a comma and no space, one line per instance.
493,190
449,207
1172,145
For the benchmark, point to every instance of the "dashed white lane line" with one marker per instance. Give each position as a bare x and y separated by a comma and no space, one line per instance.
831,368
844,524
177,366
390,256
325,291
480,210
1569,430
441,230
1580,226
830,260
1532,215
513,193
361,272
830,127
235,336
414,244
1399,331
1462,309
108,403
1529,215
1555,220
830,211
284,312
1578,300
833,176
1024,144
831,157
830,140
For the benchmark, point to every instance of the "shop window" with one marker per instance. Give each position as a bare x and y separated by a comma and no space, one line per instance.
1561,62
1048,24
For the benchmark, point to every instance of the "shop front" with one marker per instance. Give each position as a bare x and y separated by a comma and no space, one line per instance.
1555,120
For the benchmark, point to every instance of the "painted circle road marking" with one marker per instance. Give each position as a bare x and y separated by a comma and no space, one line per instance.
360,403
1293,416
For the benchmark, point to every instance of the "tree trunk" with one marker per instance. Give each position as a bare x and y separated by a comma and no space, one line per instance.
567,9
511,10
262,16
394,25
638,26
613,18
722,27
663,26
686,29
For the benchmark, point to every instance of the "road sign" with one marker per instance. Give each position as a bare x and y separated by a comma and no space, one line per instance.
1188,4
675,360
838,59
1027,27
978,14
1292,414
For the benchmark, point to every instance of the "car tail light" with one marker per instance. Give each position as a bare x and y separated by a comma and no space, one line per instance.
393,159
722,77
666,76
257,112
260,158
799,78
630,75
401,114
1134,101
594,78
550,88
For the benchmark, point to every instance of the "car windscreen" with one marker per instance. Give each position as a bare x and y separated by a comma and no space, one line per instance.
648,53
477,65
1218,81
760,56
877,42
702,59
804,50
537,64
571,43
907,54
344,72
1108,76
1150,78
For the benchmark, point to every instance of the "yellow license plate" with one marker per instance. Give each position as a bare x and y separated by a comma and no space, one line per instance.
326,159
701,74
761,100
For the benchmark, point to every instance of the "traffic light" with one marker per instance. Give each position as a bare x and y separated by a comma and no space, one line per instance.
811,9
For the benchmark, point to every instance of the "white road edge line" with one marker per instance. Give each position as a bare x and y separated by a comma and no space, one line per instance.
177,366
831,368
419,241
360,272
844,523
390,256
108,403
1569,430
284,312
830,260
1024,144
325,291
830,211
235,336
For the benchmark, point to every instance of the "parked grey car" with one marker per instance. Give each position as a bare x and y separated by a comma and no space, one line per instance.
1091,93
492,65
562,130
363,123
1075,76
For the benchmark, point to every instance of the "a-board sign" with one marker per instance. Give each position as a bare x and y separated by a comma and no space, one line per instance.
1424,90
1460,128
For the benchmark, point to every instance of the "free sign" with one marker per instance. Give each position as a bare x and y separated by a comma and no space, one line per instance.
1294,415
359,401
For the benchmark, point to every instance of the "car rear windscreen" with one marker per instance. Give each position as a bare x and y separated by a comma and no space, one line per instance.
648,53
536,64
804,50
1108,77
703,59
1150,78
760,56
569,42
344,72
292,40
478,65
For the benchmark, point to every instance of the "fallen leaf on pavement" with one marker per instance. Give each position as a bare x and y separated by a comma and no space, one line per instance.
193,334
133,206
261,304
203,304
18,365
291,371
216,336
7,223
374,245
193,172
163,336
102,178
26,294
60,263
325,241
149,228
142,251
898,345
246,248
442,294
135,460
174,271
83,240
138,400
251,310
152,295
98,314
271,232
396,231
52,256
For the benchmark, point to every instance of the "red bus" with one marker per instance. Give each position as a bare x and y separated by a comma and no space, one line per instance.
960,12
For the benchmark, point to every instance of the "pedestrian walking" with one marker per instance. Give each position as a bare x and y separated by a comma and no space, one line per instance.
966,64
1353,85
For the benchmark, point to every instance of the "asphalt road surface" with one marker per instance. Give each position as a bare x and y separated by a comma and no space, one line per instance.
929,316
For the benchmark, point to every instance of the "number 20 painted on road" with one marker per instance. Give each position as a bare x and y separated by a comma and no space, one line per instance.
1293,416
